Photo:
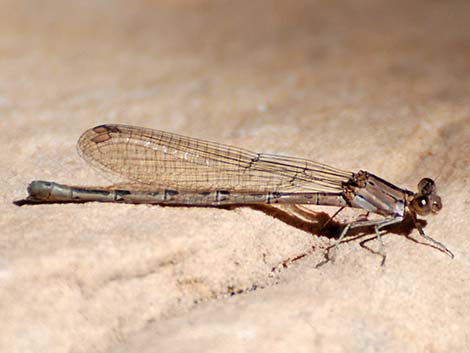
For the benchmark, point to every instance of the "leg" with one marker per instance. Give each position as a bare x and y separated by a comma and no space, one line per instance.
435,242
378,225
334,215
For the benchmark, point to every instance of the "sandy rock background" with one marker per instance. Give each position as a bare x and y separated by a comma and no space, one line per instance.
375,85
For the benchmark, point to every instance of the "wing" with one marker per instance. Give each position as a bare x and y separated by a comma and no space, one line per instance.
157,159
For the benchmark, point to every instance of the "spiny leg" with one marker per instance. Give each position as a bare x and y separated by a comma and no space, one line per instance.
381,245
378,225
435,242
331,218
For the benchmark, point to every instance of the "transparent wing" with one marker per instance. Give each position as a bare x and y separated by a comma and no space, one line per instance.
158,159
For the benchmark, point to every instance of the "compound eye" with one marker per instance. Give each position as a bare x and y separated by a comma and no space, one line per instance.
421,205
436,204
427,186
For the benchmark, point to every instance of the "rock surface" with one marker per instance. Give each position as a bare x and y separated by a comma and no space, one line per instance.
375,85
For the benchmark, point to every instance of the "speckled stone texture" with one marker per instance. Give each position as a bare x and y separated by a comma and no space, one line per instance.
382,86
